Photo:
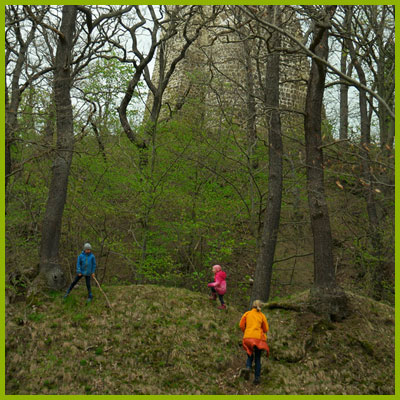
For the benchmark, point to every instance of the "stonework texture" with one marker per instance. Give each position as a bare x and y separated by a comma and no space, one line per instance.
215,71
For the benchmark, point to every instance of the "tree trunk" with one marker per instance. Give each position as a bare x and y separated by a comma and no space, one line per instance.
10,128
251,129
151,129
385,61
12,105
344,88
369,192
344,99
263,273
325,295
51,228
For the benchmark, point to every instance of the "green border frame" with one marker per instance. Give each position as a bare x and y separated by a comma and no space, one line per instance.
2,217
397,224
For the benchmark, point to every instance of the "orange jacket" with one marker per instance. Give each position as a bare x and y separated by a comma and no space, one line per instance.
254,325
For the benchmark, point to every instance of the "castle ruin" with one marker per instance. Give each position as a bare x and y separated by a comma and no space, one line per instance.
217,67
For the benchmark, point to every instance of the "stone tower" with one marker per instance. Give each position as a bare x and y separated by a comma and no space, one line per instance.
216,69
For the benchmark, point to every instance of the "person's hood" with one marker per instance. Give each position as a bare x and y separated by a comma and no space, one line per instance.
221,274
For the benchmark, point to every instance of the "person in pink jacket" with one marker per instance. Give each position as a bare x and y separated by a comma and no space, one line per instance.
218,286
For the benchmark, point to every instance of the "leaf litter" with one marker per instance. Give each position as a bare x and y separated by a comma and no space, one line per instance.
159,340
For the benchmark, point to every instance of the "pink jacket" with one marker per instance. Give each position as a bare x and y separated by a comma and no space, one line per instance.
219,283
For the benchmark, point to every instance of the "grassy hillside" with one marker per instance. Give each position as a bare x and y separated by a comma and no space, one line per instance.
158,340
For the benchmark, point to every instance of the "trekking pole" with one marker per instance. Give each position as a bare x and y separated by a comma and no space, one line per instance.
102,291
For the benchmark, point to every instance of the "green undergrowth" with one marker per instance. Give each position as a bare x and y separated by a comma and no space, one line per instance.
158,340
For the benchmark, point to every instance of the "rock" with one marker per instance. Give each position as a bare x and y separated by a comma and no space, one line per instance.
332,303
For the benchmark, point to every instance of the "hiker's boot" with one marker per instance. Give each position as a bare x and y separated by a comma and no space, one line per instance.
89,300
222,307
66,295
256,381
213,296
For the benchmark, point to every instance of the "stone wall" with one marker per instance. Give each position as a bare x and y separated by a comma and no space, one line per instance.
215,71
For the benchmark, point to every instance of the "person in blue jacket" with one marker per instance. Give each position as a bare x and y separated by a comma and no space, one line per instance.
85,266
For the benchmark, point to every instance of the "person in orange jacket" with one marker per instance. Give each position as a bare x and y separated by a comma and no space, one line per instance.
254,325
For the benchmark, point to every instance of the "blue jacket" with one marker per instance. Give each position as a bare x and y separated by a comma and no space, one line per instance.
86,264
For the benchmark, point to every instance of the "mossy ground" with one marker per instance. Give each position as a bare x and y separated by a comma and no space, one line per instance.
159,340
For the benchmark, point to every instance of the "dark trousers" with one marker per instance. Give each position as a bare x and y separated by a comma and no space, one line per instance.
76,280
220,296
256,356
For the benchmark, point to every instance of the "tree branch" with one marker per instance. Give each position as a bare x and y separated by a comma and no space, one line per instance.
311,54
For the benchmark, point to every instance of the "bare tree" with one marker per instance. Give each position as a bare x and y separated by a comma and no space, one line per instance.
251,65
326,296
318,51
263,272
139,63
187,21
345,68
379,56
51,227
66,67
369,188
20,34
166,25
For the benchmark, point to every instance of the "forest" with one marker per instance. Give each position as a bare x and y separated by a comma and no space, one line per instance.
173,138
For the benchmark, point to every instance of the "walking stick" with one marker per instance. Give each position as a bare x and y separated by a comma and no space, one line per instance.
102,291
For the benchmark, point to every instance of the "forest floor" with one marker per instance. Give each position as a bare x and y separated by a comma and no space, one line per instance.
158,340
